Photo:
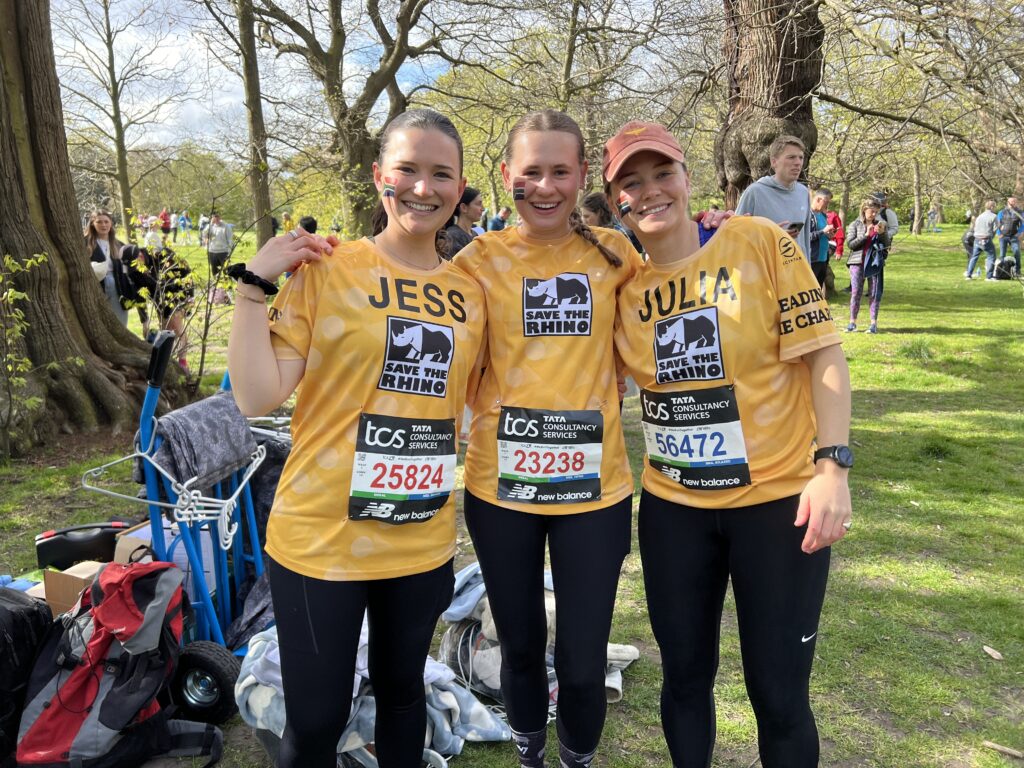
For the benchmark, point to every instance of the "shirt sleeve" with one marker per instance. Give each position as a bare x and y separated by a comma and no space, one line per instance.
294,312
745,206
805,320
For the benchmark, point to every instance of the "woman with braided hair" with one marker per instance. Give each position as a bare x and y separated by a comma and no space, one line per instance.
546,463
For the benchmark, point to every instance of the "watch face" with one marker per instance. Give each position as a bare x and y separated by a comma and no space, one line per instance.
844,456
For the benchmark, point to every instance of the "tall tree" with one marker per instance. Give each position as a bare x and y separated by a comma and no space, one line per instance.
113,68
243,38
358,54
87,368
773,54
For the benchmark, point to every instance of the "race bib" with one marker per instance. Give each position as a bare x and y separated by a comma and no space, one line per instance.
695,438
549,457
403,470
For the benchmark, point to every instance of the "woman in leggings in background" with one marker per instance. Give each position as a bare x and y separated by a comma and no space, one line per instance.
862,232
546,463
383,336
741,373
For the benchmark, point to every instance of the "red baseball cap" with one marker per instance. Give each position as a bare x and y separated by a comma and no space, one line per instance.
636,136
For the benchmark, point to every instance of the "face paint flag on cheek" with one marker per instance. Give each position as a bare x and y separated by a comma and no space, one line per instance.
389,187
519,189
624,205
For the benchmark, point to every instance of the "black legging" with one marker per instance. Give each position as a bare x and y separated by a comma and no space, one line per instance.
587,550
318,624
688,556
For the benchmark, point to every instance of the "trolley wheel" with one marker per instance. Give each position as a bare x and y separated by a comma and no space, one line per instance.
204,683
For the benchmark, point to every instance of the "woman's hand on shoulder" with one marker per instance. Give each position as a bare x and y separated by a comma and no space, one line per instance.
285,253
824,506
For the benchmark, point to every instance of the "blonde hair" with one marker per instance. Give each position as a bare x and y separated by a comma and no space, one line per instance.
868,202
553,120
785,140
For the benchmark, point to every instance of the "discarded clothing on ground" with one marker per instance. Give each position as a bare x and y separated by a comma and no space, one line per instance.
472,648
454,715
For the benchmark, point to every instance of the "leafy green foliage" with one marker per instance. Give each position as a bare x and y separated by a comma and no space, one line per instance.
15,365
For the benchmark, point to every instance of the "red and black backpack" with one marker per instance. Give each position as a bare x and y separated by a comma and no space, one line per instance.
92,696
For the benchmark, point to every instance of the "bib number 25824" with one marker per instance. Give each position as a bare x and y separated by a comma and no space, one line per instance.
549,457
403,470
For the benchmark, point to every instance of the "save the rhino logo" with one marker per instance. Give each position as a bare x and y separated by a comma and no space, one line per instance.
557,306
687,347
418,357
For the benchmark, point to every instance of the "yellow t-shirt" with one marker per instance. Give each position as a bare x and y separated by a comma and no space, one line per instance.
546,434
366,492
714,342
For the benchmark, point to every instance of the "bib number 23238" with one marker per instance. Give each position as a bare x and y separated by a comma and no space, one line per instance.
403,470
549,457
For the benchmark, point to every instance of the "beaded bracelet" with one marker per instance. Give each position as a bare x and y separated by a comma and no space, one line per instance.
239,272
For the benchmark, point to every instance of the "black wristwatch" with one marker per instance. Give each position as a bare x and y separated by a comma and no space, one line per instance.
840,454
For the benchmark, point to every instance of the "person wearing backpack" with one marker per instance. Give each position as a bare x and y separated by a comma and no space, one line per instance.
1011,224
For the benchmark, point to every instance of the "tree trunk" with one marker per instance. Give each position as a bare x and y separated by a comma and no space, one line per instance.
88,369
918,206
773,55
844,209
259,184
357,151
1018,181
113,86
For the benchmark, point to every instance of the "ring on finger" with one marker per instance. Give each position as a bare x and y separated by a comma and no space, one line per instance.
294,235
848,524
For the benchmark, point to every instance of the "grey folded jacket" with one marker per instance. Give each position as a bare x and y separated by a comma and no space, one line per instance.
208,439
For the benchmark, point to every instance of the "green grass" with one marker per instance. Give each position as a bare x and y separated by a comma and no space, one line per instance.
932,570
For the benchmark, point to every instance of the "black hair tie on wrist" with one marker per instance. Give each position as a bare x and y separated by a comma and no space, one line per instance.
239,272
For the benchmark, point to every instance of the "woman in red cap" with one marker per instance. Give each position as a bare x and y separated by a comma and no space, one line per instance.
745,399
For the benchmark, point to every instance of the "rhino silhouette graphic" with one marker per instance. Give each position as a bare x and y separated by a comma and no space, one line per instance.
423,344
688,333
561,291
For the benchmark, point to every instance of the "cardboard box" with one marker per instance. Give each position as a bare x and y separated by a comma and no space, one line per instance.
142,535
62,588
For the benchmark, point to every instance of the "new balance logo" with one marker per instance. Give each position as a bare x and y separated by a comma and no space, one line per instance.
378,509
520,491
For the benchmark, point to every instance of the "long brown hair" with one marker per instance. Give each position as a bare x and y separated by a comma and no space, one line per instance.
424,120
553,120
91,236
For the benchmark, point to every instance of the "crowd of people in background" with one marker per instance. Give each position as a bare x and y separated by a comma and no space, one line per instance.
129,274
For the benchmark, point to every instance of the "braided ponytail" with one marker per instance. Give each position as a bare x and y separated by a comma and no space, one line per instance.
577,225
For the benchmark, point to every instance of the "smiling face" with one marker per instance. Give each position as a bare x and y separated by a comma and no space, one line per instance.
788,164
657,190
549,163
420,180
